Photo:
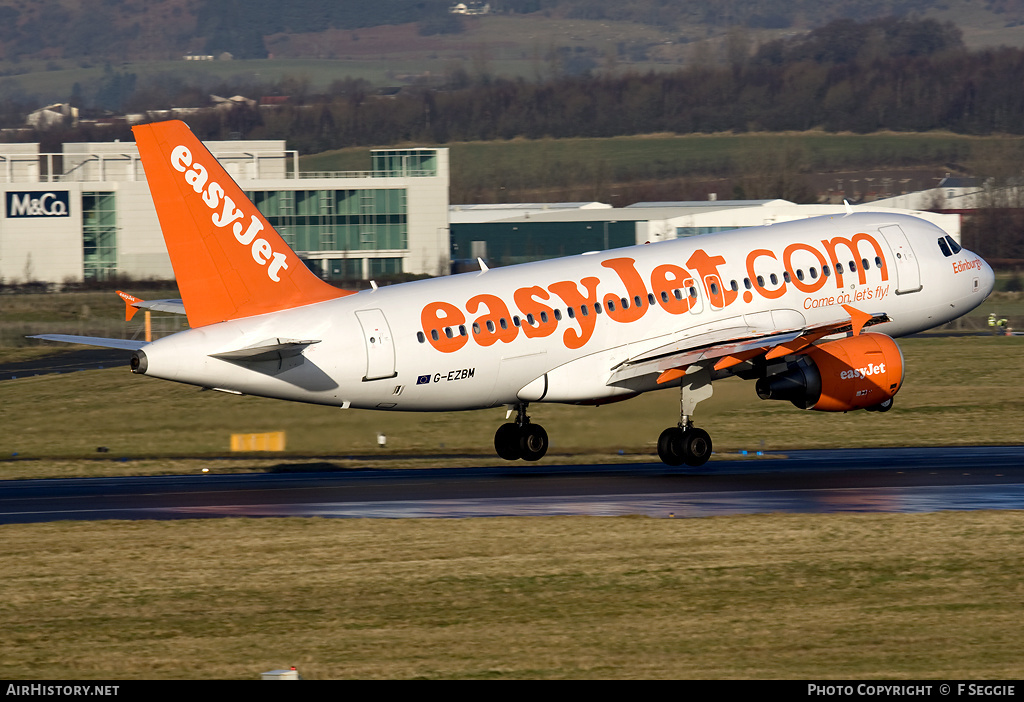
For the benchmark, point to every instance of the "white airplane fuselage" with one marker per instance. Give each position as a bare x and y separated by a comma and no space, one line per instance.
439,344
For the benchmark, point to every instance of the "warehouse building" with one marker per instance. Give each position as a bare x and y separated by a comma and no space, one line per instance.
86,213
505,234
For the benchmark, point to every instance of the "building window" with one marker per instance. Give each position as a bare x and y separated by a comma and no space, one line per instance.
416,163
384,266
337,220
338,269
99,235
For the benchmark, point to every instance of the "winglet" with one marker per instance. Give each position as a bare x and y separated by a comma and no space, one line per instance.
129,305
228,261
857,318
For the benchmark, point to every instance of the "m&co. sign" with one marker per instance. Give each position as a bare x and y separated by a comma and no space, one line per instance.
37,204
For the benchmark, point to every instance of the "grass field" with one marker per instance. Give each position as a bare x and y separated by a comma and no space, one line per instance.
621,170
958,391
668,155
765,596
768,596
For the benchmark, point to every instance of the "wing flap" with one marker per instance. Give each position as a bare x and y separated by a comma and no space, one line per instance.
732,345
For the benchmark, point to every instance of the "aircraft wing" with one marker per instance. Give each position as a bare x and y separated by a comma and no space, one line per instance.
126,344
733,345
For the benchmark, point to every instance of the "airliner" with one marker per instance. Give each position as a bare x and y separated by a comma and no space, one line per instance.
808,310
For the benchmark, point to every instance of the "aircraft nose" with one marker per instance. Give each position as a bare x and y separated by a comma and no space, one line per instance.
988,278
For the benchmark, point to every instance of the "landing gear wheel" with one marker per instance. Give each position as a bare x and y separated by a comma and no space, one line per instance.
691,446
506,441
533,442
670,447
696,447
520,439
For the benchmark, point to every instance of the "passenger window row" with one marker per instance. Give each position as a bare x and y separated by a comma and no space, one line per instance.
678,293
812,272
571,312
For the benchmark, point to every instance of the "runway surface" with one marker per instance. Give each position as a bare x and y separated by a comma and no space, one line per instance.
66,362
863,480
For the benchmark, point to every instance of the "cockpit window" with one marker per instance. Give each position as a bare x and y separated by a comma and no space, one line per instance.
945,248
955,247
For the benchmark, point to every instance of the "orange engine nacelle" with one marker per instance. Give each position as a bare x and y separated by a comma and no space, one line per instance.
859,372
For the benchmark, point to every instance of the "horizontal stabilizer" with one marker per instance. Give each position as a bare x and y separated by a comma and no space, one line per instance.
133,304
126,344
270,350
171,306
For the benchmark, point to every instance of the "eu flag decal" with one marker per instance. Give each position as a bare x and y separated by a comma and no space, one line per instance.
422,380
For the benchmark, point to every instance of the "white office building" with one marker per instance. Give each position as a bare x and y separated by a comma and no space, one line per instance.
86,213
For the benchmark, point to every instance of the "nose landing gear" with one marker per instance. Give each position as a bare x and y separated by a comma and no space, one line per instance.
521,439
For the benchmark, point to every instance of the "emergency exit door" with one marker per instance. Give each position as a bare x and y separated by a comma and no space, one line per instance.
908,273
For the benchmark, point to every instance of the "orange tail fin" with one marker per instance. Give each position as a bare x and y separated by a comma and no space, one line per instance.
227,259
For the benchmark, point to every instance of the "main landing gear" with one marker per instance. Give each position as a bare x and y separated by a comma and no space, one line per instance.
520,439
685,443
